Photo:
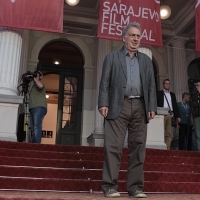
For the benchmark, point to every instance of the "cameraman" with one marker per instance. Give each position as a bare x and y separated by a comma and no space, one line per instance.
37,107
195,103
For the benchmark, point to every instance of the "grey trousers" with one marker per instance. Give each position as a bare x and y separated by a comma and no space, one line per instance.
132,117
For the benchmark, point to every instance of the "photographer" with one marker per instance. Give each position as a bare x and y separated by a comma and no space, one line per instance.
195,103
37,107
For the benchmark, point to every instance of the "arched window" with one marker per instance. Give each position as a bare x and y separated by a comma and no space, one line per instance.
61,53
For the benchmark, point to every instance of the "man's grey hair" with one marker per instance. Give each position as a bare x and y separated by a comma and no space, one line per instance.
132,24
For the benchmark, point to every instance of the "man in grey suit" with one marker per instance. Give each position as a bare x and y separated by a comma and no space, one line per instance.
127,100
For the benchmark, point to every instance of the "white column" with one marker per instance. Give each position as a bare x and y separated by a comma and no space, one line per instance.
180,77
23,59
96,138
10,52
24,53
103,50
146,49
169,67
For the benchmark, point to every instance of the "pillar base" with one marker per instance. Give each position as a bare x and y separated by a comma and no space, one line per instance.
9,105
156,145
96,140
155,130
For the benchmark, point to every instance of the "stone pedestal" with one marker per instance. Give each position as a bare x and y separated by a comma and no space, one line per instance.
9,105
155,133
155,130
96,139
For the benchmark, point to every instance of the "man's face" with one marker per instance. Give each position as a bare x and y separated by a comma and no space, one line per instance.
187,98
166,85
132,39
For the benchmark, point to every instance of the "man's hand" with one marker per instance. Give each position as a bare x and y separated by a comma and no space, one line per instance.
38,82
103,111
178,120
151,114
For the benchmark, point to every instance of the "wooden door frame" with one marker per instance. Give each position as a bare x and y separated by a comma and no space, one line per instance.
64,71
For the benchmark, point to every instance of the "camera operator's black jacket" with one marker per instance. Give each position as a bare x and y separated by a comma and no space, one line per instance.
160,102
195,102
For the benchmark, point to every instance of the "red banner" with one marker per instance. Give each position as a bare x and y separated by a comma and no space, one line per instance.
197,26
115,14
44,15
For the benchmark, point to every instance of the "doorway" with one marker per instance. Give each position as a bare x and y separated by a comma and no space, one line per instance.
62,66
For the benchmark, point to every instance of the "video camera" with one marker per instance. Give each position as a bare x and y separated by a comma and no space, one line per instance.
194,94
26,78
192,82
192,86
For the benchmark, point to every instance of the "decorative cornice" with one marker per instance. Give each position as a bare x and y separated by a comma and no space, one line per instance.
173,41
11,99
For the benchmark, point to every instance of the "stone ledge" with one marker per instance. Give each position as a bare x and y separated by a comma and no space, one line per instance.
94,136
162,111
4,98
8,137
156,145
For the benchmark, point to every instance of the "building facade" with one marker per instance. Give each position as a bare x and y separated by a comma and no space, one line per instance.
72,83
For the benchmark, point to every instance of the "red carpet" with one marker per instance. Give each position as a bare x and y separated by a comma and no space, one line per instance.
76,168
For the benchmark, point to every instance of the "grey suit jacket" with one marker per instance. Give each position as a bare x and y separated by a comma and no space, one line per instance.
113,83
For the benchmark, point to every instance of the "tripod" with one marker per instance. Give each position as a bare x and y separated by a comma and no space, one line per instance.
26,117
24,91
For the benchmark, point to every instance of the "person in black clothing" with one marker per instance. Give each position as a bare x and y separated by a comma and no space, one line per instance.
167,99
195,104
185,126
